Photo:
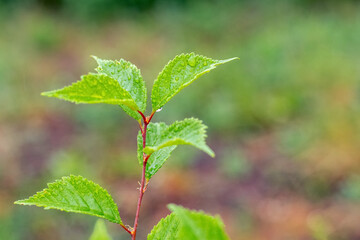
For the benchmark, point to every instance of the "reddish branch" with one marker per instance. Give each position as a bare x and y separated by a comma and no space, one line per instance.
143,183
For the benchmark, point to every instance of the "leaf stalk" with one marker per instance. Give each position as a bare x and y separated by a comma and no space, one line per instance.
126,229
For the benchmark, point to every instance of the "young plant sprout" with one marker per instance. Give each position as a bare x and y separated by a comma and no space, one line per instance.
120,83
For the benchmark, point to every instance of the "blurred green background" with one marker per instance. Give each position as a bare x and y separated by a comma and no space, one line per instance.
284,121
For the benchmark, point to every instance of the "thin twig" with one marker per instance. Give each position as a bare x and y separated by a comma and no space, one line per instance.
143,180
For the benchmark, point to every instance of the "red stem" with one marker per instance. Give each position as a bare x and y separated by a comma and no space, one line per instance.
143,180
152,114
143,116
126,229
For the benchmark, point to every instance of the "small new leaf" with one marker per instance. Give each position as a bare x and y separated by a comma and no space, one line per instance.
100,231
95,88
196,225
129,78
179,73
190,131
158,158
76,194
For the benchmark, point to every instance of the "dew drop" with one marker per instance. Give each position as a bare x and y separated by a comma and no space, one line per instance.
192,61
159,110
177,78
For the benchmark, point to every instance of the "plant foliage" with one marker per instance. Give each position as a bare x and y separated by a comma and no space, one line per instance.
190,131
166,229
95,88
184,224
179,73
158,158
129,78
120,83
76,194
161,140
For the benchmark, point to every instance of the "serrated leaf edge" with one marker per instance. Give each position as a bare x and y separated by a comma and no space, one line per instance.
169,217
128,102
29,203
213,66
174,208
205,148
134,68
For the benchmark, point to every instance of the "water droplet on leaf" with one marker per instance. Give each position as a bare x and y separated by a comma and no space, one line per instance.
192,61
159,110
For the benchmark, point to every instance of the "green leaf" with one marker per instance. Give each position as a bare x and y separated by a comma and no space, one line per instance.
76,194
95,88
179,73
190,131
197,225
129,78
157,159
100,231
184,224
166,229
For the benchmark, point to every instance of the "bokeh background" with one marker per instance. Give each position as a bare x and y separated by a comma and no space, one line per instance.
284,120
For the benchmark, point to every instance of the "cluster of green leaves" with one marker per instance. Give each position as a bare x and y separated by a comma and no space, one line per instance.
79,195
120,83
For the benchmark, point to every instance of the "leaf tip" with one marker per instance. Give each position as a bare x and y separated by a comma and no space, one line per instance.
228,60
21,202
212,154
172,206
209,151
94,57
47,94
